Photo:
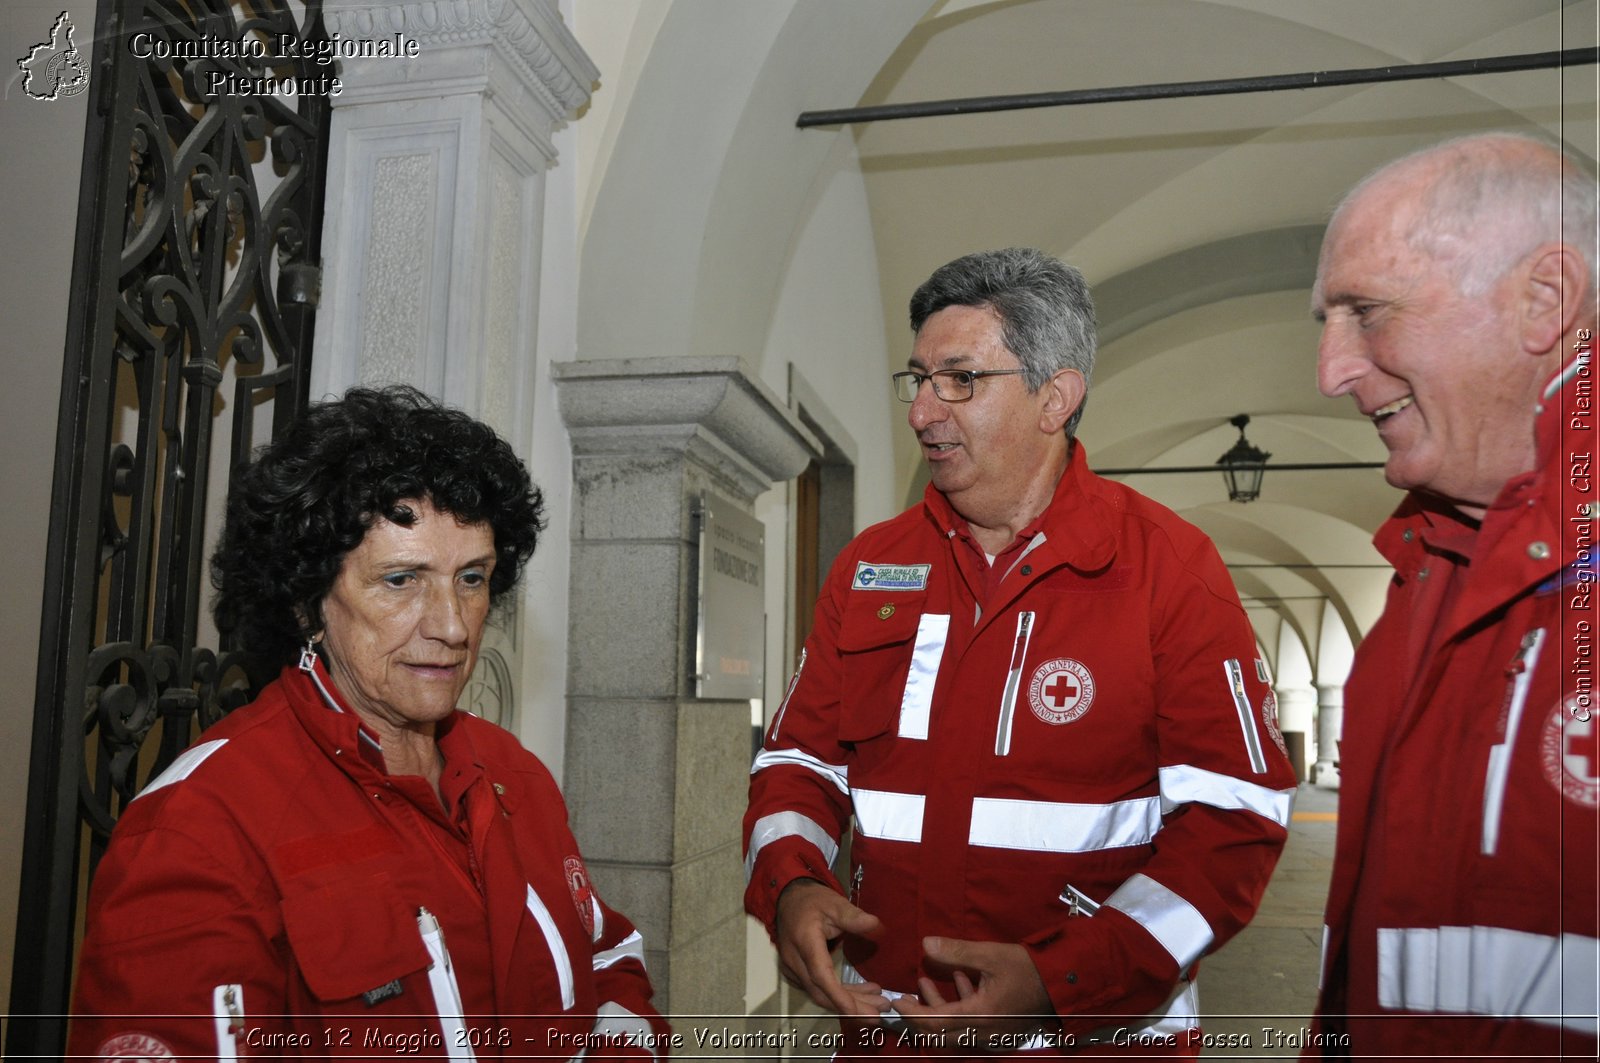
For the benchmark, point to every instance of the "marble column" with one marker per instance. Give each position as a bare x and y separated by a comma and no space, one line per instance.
655,776
435,202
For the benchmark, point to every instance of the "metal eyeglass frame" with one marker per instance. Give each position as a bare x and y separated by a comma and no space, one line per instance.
959,378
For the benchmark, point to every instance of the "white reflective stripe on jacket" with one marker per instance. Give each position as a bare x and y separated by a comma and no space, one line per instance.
1491,970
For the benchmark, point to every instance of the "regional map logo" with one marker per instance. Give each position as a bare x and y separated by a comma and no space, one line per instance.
55,69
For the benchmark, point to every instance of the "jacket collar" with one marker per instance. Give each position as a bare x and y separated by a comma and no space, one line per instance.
326,716
1078,525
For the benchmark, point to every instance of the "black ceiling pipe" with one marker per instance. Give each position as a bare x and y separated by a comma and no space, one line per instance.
1494,64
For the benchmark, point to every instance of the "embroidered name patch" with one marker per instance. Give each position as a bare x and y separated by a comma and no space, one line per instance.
1062,690
871,577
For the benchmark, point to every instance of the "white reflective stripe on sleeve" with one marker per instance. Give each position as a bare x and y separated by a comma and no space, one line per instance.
227,1012
837,774
558,948
1008,696
599,915
769,829
1058,827
1490,970
777,721
446,991
1322,956
613,1020
916,704
1182,783
891,816
630,947
1247,718
184,766
1171,920
1179,1014
1494,783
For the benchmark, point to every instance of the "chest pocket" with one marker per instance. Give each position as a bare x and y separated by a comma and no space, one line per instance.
352,936
889,652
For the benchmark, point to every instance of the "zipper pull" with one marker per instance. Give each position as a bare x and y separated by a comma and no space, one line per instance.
430,925
855,883
1519,663
230,1000
1078,902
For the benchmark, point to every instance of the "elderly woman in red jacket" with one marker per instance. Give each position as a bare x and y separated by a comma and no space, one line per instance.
350,865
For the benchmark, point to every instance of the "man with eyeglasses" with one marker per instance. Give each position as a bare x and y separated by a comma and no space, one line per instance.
1040,701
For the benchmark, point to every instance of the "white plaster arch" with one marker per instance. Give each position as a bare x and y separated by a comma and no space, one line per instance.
693,219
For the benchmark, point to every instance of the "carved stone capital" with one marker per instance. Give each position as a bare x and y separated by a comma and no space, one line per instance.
528,36
711,409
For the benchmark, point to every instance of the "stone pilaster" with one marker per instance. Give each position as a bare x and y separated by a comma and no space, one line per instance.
434,225
435,201
656,777
1330,723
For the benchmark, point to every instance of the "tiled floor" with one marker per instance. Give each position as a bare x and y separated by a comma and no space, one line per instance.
1257,992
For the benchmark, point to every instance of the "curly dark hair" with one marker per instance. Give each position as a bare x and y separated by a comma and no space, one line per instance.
310,496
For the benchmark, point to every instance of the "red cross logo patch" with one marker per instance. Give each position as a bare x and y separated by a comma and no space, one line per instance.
1570,750
135,1048
582,893
1062,690
1269,719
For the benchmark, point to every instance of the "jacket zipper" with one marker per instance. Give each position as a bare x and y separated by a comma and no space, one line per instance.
1494,784
558,948
446,992
227,1010
1008,699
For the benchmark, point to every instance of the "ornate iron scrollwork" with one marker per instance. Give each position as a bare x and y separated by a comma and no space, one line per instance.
195,287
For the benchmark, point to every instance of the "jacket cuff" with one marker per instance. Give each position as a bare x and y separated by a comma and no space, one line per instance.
780,864
1100,968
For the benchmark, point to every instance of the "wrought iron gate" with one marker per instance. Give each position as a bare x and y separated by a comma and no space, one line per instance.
194,290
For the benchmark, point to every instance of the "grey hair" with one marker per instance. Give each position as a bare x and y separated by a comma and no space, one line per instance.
1046,314
1490,200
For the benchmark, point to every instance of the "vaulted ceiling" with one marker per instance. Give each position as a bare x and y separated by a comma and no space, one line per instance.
712,226
1198,222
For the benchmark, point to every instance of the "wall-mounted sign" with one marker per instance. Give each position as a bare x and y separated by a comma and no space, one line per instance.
730,638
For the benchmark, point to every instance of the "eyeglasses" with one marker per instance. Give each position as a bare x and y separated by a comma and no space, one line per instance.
950,385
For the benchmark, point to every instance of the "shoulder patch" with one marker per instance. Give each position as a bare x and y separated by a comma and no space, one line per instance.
875,577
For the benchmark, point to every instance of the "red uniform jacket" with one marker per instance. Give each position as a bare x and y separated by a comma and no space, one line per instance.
1085,728
1461,916
276,893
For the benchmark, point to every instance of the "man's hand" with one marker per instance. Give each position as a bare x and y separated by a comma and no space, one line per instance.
1008,1001
810,916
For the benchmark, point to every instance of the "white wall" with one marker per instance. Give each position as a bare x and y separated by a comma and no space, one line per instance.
39,171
